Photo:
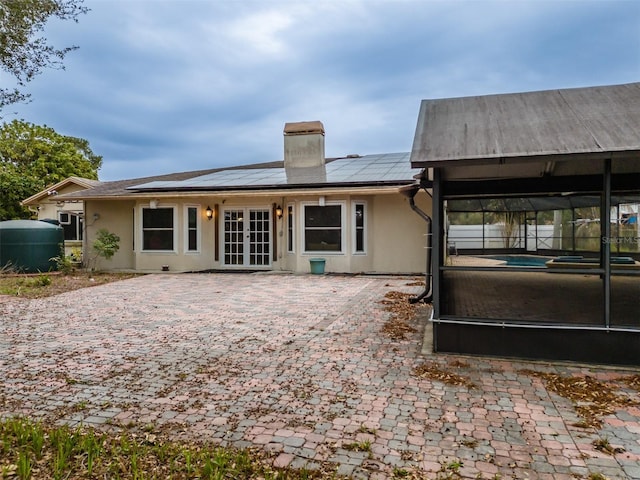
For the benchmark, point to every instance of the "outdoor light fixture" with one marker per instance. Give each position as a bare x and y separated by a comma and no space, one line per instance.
209,212
279,211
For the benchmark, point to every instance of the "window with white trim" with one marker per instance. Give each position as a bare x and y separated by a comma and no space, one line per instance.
158,229
192,227
323,228
359,227
72,224
291,240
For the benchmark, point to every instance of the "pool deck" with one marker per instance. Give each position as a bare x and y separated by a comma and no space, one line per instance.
539,295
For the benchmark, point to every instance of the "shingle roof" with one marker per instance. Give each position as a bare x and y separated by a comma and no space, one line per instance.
381,169
118,188
593,120
81,181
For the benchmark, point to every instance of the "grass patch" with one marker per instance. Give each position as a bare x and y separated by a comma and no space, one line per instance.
30,450
47,284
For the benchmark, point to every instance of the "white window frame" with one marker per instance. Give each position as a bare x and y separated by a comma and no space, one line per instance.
185,223
175,229
79,223
354,228
291,227
343,228
61,214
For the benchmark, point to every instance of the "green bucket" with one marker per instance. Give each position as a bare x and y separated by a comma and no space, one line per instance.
317,265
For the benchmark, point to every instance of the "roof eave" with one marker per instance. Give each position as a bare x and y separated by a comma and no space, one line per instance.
63,183
249,188
522,158
325,189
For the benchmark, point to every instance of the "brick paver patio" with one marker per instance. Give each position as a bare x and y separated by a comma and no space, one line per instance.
298,366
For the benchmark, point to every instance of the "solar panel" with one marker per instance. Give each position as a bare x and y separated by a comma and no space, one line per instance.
368,168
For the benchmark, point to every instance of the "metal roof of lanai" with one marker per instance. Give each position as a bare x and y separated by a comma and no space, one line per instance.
597,122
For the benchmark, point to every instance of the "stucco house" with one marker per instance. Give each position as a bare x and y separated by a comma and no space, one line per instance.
49,205
269,216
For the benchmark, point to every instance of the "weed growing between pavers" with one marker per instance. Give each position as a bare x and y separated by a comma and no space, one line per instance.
363,446
597,476
592,398
31,450
603,445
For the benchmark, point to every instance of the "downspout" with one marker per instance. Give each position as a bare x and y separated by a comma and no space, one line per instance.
410,192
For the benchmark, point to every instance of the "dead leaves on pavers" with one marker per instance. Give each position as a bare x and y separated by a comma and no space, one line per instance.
592,398
402,314
632,381
433,371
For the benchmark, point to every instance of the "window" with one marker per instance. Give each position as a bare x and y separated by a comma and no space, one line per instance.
290,230
323,228
359,231
192,221
72,225
157,229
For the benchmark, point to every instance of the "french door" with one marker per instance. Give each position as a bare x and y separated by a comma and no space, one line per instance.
247,237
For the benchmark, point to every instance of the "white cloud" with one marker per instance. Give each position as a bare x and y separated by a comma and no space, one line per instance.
260,33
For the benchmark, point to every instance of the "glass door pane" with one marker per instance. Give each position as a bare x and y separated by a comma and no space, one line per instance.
234,237
259,238
247,237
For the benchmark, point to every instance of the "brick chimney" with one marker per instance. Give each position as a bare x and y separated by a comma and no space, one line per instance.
303,145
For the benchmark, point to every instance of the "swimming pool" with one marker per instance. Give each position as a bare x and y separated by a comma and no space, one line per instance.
522,260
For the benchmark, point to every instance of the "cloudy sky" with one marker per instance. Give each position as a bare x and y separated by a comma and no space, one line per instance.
162,86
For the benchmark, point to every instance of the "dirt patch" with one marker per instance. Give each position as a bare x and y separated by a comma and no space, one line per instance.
13,286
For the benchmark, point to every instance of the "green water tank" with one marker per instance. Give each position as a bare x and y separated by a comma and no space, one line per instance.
28,245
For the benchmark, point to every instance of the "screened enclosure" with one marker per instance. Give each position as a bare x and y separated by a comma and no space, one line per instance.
535,240
537,259
547,260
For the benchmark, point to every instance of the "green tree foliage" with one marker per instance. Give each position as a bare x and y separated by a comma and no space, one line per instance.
33,157
24,53
106,244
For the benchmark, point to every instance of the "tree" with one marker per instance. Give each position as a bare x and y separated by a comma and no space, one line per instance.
33,157
23,52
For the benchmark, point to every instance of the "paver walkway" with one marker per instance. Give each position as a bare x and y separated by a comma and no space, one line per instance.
296,365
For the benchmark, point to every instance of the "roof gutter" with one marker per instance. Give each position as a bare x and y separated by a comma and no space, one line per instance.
216,189
410,192
141,194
